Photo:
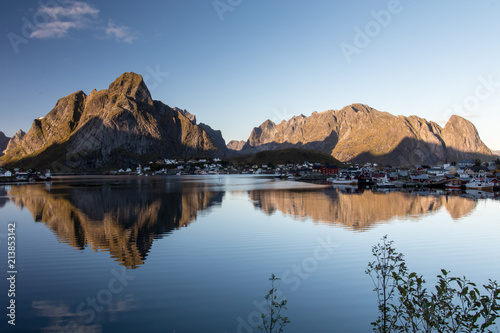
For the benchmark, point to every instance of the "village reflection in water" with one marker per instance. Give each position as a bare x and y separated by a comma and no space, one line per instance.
125,217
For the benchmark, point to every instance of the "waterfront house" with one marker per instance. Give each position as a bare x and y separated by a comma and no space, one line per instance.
436,171
329,169
466,163
7,174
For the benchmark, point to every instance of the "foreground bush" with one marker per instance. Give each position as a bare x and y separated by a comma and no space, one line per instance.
405,304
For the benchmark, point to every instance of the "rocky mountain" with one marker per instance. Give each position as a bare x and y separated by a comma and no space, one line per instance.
4,141
15,140
116,126
359,133
236,145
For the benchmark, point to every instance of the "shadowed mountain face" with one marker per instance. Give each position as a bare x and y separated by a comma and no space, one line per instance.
4,140
122,219
358,133
358,211
121,124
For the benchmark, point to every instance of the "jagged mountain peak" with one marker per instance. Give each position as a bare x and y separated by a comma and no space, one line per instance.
131,85
358,107
120,125
459,121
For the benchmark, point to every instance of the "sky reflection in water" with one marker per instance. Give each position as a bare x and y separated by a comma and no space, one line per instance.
77,235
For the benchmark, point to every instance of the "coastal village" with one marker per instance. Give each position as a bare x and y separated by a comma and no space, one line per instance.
466,174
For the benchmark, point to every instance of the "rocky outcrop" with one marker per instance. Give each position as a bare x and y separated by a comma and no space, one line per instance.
359,133
4,141
186,114
115,126
462,138
215,136
236,145
14,140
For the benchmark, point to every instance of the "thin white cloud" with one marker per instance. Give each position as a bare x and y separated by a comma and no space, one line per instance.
55,29
74,9
76,15
121,33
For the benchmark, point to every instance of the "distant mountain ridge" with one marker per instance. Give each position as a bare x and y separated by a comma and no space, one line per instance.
236,145
359,133
118,125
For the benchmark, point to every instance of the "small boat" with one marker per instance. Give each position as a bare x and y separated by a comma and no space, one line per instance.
480,184
386,183
47,176
343,180
455,184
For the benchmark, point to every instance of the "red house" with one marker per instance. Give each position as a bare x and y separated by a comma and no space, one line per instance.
329,169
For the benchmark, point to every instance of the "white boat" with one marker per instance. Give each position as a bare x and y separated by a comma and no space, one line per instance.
386,183
480,184
47,176
344,180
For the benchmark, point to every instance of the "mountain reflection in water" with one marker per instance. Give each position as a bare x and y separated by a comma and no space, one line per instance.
124,217
359,210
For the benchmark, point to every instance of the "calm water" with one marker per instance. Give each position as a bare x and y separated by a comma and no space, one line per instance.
194,254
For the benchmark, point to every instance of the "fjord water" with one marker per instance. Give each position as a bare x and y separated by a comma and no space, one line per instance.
194,254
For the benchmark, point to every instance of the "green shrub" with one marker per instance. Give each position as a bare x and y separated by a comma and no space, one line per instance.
405,304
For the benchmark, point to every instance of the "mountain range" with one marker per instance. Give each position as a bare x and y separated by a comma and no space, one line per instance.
358,133
123,125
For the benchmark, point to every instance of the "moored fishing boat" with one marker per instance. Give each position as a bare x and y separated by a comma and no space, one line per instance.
343,180
480,184
455,184
386,183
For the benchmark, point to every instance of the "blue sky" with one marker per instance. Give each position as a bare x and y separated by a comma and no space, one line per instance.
236,63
